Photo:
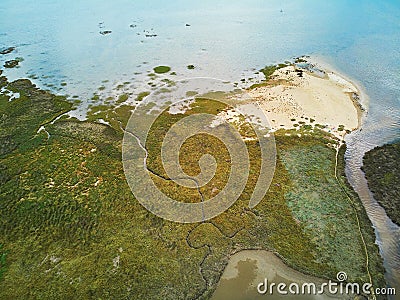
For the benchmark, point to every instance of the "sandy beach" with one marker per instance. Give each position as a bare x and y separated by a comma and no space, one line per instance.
293,98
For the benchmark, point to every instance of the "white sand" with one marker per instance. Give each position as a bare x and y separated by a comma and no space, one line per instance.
327,100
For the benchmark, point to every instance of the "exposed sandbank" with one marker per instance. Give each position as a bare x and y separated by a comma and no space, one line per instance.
292,98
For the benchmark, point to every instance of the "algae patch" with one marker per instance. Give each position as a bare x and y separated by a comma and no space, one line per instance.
161,69
142,95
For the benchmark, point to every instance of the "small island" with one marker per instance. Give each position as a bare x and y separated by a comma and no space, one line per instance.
382,169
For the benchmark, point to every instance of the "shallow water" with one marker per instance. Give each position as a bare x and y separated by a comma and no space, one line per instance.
247,269
60,42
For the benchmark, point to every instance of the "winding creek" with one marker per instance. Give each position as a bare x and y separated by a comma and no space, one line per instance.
387,233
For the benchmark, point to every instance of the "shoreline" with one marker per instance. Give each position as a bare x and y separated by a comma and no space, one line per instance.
362,104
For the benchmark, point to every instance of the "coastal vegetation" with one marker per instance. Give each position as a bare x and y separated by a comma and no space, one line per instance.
122,98
267,71
382,169
142,95
71,228
3,256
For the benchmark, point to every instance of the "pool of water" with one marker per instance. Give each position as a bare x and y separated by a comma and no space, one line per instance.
249,268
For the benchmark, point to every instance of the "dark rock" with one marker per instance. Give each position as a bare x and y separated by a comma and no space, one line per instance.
11,63
187,25
299,60
104,32
7,50
299,72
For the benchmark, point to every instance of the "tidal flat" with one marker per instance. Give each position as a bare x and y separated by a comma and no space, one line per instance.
71,228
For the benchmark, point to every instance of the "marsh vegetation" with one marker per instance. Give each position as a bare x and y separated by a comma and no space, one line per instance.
382,168
71,228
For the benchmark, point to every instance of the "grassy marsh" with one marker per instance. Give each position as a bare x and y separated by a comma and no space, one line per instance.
71,227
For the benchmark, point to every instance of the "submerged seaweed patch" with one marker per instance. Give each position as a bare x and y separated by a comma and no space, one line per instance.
122,98
7,50
142,95
11,63
161,69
